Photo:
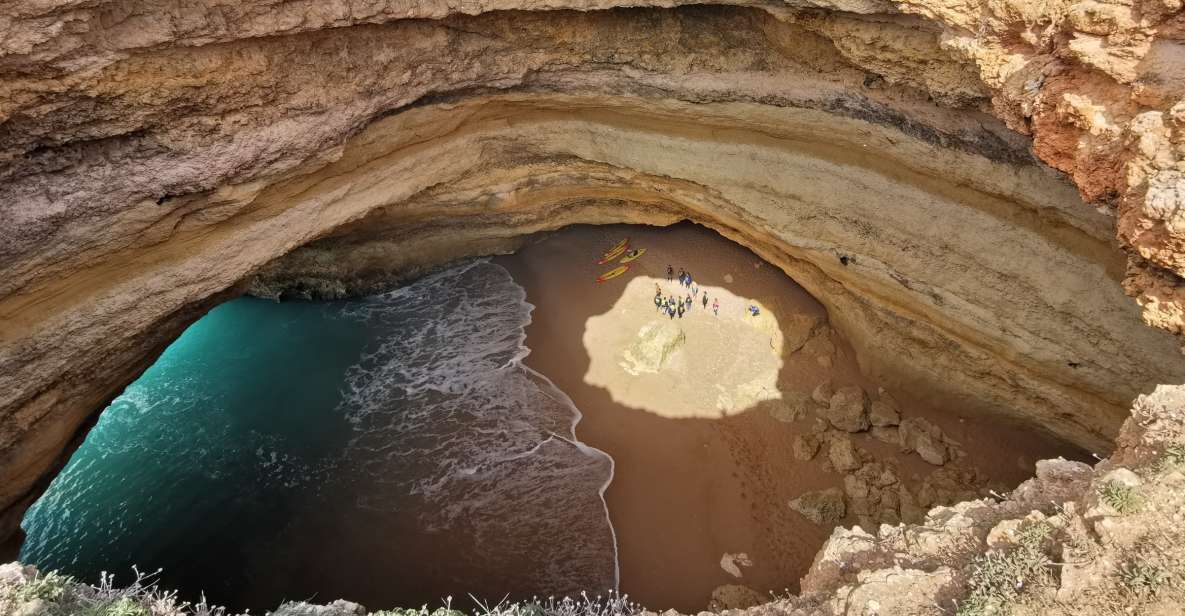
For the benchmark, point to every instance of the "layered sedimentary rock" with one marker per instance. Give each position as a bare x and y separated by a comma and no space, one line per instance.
154,158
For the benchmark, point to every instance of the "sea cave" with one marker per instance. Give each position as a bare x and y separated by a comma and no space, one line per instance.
305,302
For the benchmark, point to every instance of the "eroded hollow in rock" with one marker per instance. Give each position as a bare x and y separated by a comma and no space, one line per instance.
404,446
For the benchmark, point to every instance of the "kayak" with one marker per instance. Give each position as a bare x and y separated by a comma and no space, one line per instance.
615,252
613,273
633,254
619,246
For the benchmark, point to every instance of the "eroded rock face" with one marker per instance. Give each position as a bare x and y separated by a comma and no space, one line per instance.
876,150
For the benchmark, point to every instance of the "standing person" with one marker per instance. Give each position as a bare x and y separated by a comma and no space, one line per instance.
695,291
682,275
689,302
705,300
670,273
658,300
688,280
716,307
680,310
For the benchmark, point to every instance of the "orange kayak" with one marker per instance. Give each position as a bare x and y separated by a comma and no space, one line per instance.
615,252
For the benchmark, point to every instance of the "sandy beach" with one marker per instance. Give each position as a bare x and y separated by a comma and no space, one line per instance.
704,470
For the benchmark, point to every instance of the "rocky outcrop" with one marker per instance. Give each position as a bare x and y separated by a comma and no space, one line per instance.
154,161
821,507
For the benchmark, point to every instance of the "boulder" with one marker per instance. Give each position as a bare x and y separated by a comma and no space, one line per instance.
734,597
823,392
806,446
931,449
822,506
843,456
790,408
797,329
732,563
926,439
884,413
855,487
849,409
887,434
654,346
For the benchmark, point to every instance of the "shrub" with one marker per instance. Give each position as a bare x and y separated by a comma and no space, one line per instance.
998,577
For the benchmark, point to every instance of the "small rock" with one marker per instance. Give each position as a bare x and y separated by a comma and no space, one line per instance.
732,563
340,607
823,392
887,434
797,328
843,455
1122,476
849,409
32,607
822,506
15,573
884,413
806,446
790,408
734,597
919,435
855,487
887,477
930,450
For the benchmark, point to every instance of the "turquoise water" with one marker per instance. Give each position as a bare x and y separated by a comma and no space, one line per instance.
392,450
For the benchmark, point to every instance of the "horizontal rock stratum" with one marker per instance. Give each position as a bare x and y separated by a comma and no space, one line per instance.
973,188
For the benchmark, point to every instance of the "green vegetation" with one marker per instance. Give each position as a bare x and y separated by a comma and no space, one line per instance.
124,606
1120,497
47,588
1144,580
1174,457
999,577
51,594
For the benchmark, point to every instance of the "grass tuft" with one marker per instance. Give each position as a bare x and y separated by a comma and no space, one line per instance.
1144,580
1120,497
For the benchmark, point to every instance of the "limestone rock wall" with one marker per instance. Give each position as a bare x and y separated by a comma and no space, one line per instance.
155,155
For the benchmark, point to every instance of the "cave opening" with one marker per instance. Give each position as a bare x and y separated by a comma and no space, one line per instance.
504,427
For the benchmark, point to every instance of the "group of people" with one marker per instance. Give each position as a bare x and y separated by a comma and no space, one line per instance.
675,305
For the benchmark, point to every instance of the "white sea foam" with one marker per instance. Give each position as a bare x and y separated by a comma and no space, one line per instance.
481,438
446,427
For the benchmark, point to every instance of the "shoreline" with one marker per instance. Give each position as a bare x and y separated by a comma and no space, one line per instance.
690,491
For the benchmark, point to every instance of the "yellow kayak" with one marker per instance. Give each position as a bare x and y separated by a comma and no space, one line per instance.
615,252
633,254
613,273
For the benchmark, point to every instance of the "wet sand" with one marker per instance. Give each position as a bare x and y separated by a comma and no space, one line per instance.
690,488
